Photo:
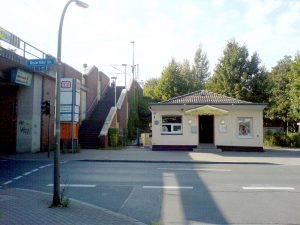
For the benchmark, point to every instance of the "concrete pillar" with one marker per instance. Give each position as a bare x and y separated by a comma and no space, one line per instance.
29,116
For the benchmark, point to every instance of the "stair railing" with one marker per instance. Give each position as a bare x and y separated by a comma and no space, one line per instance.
112,113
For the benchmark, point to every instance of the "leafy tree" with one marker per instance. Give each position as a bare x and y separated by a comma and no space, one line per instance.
200,71
149,88
186,74
279,100
294,88
257,81
239,76
171,83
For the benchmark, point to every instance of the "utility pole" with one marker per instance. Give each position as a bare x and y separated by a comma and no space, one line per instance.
133,67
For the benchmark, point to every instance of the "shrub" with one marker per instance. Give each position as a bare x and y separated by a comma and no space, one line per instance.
282,139
113,137
294,139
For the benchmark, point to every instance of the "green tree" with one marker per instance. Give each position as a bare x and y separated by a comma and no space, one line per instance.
200,71
294,88
257,83
239,76
186,75
171,83
279,89
150,87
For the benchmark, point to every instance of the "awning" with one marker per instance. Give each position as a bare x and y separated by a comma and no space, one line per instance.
206,110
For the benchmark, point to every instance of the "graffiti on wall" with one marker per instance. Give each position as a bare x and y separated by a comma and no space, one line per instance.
24,127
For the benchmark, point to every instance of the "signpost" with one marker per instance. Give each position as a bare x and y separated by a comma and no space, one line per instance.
69,109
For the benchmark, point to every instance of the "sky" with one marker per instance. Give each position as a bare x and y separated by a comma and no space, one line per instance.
161,29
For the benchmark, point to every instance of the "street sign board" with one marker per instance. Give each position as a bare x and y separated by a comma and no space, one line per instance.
40,62
40,68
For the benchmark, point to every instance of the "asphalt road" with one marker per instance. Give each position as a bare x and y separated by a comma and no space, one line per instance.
172,193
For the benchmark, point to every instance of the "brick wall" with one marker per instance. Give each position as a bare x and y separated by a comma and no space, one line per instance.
92,80
104,83
70,72
122,114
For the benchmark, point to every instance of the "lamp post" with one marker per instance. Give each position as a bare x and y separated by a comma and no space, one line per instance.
132,42
115,84
133,67
56,180
125,74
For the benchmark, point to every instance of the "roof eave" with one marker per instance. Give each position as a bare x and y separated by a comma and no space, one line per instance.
261,104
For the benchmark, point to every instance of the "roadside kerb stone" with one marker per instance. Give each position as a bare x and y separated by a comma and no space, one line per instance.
284,156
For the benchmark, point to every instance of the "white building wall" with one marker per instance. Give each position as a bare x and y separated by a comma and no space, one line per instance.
29,116
190,135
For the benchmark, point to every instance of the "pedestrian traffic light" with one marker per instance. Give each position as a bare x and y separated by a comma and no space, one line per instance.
46,107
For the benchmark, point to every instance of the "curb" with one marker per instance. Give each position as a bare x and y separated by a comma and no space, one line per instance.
148,161
166,161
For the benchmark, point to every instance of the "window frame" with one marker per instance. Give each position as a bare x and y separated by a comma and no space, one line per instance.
172,125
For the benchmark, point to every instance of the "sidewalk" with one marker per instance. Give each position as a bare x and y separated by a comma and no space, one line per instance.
135,154
25,207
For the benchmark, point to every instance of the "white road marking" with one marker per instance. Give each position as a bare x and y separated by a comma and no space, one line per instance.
41,167
195,169
35,170
75,185
169,187
3,160
7,182
17,178
25,174
269,188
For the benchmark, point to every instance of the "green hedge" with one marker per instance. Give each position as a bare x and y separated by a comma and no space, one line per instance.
113,137
282,139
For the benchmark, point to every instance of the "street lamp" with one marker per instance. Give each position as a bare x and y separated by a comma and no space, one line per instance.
132,42
115,84
56,183
125,74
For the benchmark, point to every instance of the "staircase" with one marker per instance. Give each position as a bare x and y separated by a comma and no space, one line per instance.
91,127
207,148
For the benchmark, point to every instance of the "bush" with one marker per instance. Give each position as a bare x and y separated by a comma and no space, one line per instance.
282,139
113,137
294,139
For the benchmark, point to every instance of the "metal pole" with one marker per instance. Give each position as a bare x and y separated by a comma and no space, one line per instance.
133,67
56,180
125,76
73,113
49,130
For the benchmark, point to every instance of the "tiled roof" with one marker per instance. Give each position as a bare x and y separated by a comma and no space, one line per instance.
204,97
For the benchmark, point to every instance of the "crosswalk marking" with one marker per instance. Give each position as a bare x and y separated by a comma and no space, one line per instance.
269,188
196,169
169,187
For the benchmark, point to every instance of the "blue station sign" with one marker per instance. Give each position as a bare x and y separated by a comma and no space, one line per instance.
40,62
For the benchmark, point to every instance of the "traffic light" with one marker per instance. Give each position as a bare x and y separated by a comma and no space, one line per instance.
46,107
